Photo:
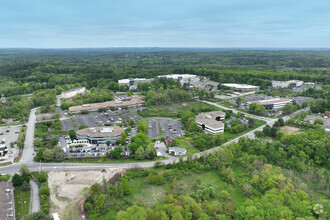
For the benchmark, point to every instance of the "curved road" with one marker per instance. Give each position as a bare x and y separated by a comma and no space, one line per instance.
27,157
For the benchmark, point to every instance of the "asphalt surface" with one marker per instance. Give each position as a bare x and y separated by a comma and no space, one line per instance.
28,150
35,198
33,166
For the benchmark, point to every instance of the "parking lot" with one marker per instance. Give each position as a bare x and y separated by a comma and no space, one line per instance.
9,134
163,127
100,119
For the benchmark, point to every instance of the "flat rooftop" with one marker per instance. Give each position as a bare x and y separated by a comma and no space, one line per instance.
101,131
95,106
272,101
209,119
240,86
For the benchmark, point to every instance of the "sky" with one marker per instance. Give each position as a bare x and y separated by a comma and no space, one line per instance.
165,23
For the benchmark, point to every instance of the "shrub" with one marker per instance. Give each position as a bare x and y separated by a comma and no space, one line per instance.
17,180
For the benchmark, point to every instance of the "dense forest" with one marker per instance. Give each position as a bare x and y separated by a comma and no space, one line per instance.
25,71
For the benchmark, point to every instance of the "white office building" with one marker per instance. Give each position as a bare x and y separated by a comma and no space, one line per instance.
276,103
211,122
73,92
241,87
184,77
131,81
286,84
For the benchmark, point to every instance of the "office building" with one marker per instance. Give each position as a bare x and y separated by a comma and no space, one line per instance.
73,92
276,103
100,135
241,87
134,102
211,122
286,84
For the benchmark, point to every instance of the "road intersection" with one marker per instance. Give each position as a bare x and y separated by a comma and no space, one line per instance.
27,157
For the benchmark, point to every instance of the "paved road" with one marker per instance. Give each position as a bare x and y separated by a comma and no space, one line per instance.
268,120
35,199
27,155
33,166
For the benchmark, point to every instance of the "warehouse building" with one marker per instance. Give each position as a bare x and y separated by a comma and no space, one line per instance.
276,103
73,92
286,84
100,135
241,87
134,102
211,122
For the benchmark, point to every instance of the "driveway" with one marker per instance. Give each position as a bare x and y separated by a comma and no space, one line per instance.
35,198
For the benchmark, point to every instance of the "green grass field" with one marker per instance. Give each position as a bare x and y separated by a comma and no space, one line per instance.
22,202
183,142
175,108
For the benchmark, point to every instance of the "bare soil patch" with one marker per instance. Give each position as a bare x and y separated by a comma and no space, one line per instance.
289,129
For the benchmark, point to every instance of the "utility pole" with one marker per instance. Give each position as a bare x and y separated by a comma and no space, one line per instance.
3,100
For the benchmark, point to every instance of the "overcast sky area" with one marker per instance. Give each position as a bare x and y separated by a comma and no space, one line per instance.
164,23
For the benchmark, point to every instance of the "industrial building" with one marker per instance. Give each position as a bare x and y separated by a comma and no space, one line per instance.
211,122
100,135
276,103
184,77
7,204
241,87
131,81
134,102
73,92
286,84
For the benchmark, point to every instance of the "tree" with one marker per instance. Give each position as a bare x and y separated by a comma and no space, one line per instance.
42,177
281,122
150,152
288,109
255,108
251,123
123,137
116,152
140,153
48,155
24,170
267,131
58,153
124,187
17,180
113,86
318,121
99,204
72,134
36,216
238,101
25,186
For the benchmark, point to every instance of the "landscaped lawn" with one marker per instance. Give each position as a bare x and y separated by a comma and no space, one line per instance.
22,202
183,142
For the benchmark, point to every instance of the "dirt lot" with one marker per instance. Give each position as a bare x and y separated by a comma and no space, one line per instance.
289,129
67,186
45,116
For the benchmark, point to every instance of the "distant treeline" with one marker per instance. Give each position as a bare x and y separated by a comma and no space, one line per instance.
25,71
